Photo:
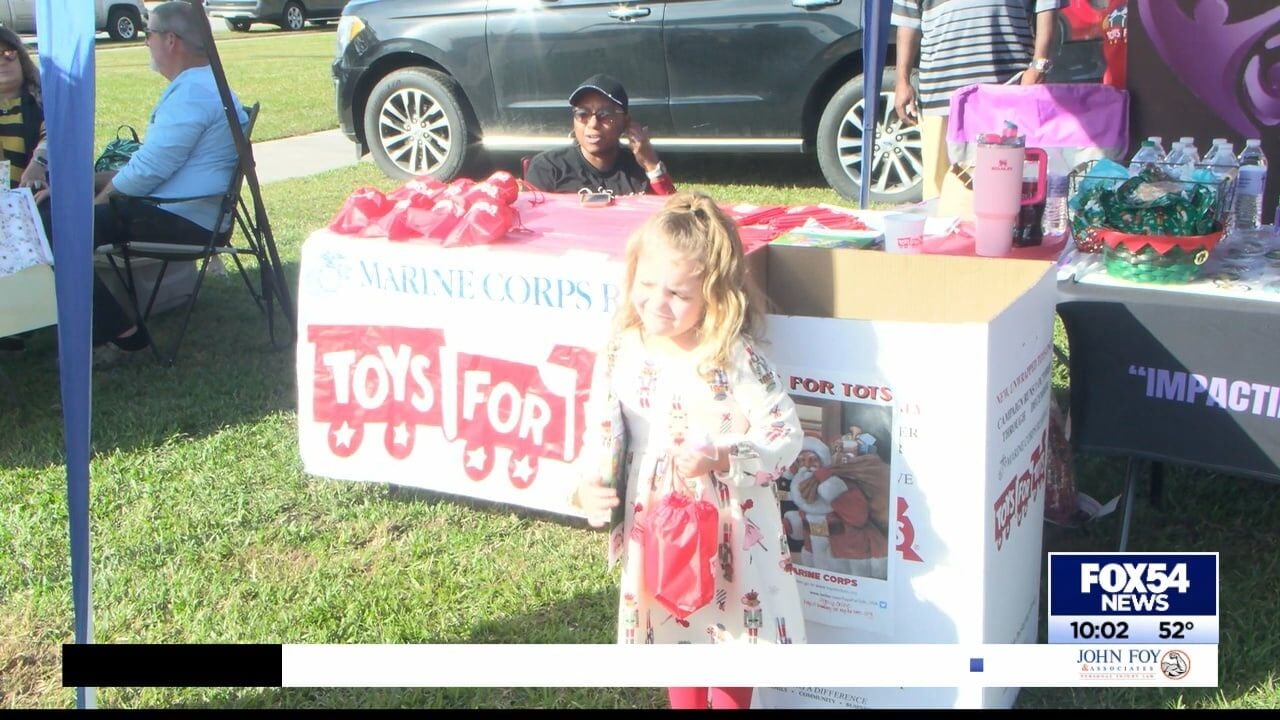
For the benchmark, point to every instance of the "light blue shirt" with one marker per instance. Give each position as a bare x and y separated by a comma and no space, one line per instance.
187,150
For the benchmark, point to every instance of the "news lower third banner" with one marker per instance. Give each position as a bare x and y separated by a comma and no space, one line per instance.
728,665
1127,598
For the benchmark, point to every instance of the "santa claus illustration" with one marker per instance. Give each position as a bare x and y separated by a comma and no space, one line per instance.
840,513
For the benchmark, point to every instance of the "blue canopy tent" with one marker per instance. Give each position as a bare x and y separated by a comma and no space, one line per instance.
67,75
875,43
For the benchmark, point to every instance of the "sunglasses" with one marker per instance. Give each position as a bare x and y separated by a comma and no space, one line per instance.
603,115
9,53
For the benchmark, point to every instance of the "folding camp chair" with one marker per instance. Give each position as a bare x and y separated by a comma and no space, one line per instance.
220,243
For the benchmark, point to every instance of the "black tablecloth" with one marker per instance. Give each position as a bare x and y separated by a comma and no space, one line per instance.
1135,355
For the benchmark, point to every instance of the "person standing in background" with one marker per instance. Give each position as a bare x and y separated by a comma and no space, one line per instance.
959,43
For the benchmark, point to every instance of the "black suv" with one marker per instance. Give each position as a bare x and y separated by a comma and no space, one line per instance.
420,84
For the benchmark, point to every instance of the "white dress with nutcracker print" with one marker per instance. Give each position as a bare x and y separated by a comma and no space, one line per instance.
664,400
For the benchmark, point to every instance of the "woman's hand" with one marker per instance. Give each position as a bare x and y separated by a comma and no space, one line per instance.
638,139
36,177
597,500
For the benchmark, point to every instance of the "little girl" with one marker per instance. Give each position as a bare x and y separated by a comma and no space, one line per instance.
702,412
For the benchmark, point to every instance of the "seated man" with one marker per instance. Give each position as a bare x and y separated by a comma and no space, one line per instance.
188,151
595,161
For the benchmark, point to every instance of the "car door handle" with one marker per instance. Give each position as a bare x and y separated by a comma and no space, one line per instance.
629,14
814,4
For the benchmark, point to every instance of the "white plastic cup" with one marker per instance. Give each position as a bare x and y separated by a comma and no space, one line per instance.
904,233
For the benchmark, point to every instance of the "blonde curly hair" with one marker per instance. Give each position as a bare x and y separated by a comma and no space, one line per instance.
693,225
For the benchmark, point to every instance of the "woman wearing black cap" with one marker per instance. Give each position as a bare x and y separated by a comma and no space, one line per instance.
595,161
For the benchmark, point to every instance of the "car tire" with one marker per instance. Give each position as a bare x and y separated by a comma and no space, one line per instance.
123,23
414,125
238,25
898,172
293,17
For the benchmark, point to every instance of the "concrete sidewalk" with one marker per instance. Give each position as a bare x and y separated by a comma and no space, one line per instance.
303,155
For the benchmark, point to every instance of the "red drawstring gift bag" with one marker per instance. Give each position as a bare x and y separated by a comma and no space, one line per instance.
424,184
508,187
362,208
457,188
679,553
427,224
482,192
395,225
486,222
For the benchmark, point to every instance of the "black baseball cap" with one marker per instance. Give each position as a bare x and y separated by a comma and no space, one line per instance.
606,86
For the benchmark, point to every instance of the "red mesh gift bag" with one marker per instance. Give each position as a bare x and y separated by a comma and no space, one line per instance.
458,187
486,222
427,224
508,187
424,185
482,192
679,552
395,225
362,208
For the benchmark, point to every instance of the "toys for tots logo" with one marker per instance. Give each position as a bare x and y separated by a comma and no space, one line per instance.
406,379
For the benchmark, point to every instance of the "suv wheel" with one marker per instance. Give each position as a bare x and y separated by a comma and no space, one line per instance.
293,17
123,23
414,125
897,171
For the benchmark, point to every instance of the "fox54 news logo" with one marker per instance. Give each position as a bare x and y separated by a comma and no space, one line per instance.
1133,597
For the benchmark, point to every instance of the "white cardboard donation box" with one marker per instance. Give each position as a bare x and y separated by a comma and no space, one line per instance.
932,374
460,370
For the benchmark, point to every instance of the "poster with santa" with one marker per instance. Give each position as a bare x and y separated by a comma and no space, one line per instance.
836,497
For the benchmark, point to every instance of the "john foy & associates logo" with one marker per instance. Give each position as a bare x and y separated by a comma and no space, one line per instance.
1175,664
1132,663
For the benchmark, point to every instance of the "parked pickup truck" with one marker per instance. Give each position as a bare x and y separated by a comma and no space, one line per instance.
121,19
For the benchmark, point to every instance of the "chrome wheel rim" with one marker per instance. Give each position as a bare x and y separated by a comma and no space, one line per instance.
126,28
898,161
293,17
414,131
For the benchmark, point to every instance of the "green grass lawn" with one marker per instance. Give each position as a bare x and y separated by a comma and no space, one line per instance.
205,528
287,72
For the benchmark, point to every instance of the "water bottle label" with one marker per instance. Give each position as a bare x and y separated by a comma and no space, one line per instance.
1251,180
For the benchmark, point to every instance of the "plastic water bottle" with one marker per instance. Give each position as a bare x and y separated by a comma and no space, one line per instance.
1158,143
1146,155
1221,161
1175,161
1250,182
1189,147
1057,186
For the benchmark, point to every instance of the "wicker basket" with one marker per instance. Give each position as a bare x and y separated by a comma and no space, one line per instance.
1155,258
1091,240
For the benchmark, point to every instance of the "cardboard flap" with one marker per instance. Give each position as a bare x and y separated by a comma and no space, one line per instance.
865,285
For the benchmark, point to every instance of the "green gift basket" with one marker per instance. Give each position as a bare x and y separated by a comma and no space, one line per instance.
1155,258
1153,227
